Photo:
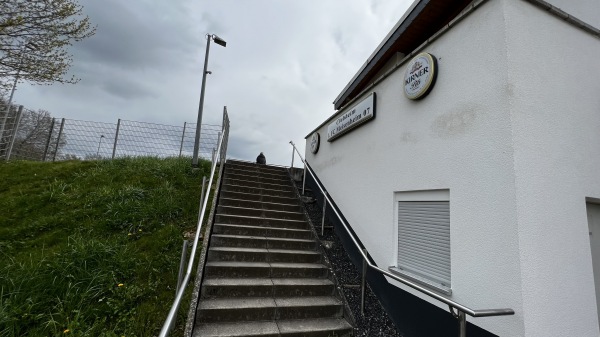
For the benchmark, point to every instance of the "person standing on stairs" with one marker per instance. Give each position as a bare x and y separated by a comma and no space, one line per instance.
261,159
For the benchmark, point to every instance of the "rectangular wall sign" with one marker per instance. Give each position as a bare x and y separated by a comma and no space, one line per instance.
352,118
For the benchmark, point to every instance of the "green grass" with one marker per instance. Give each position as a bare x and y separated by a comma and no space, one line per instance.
92,248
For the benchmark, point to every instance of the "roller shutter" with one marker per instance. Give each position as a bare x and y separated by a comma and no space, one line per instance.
424,240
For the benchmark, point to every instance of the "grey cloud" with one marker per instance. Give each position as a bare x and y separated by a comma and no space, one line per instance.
284,63
133,39
338,38
126,89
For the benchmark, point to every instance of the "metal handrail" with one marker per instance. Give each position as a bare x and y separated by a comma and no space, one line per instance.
461,309
171,316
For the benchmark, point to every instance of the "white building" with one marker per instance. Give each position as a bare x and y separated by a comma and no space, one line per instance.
507,142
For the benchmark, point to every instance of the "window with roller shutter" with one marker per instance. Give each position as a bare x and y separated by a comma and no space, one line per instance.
424,241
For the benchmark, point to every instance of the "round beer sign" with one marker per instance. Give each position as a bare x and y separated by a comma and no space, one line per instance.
420,76
314,142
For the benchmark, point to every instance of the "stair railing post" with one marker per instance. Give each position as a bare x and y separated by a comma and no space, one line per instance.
49,139
116,138
218,141
182,264
202,196
293,152
182,138
60,131
462,324
214,154
363,283
323,218
304,179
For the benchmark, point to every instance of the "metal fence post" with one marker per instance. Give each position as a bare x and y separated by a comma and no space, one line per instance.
62,125
14,135
182,138
49,138
116,138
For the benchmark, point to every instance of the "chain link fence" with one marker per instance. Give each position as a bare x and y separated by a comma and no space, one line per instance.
35,135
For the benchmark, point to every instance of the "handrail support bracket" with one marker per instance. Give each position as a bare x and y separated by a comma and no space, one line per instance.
462,321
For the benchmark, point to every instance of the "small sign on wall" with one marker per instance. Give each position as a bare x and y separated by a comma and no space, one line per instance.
315,141
420,76
352,118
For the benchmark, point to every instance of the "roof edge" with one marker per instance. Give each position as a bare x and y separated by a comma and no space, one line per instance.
416,8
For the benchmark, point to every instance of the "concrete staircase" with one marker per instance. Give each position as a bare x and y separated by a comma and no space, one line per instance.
265,275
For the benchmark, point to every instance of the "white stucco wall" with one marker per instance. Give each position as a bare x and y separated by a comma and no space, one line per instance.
458,138
554,79
512,130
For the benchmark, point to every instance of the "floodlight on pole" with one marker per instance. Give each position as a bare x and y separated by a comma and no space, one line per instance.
99,143
31,46
220,42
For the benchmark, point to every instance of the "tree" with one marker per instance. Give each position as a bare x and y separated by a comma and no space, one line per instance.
35,36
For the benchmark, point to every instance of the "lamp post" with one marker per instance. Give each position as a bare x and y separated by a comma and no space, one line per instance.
99,143
30,46
220,42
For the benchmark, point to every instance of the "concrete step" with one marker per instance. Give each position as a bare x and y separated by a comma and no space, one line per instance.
324,327
232,171
259,190
237,329
262,255
259,183
258,197
264,173
225,240
293,207
235,269
265,287
260,221
261,213
264,309
254,166
266,178
230,229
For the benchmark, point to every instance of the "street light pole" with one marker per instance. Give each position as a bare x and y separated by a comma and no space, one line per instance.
221,42
99,143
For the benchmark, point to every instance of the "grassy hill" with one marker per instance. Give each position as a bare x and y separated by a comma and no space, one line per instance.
92,248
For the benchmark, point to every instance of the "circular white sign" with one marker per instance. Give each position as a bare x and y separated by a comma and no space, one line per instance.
314,142
420,76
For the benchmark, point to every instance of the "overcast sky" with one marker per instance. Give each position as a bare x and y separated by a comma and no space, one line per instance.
284,64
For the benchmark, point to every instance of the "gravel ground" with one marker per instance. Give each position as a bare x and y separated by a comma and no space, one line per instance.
376,322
